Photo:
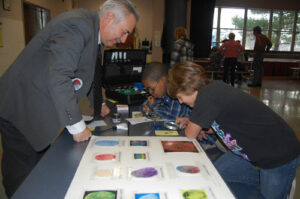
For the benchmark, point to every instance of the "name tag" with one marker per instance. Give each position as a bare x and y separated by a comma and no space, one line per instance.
77,83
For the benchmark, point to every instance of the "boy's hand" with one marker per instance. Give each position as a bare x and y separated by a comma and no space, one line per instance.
202,135
151,100
146,109
182,121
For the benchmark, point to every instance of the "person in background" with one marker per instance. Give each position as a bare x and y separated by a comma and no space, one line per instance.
262,45
239,64
264,150
231,49
183,49
216,58
41,90
154,80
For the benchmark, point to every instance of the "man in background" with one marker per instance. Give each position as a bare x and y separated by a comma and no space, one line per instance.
262,45
41,90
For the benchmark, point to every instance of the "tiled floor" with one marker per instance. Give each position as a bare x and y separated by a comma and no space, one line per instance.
283,96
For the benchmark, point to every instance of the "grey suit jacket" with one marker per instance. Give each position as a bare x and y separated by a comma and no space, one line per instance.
36,93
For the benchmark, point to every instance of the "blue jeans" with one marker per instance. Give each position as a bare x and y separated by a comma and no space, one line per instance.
247,181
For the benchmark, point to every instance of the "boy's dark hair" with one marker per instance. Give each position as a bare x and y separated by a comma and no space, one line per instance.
257,29
154,71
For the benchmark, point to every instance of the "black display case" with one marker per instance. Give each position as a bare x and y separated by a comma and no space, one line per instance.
122,68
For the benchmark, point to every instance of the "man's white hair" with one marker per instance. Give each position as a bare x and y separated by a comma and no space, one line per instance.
121,9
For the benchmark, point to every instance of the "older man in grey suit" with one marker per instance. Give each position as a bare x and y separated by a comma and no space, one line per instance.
41,90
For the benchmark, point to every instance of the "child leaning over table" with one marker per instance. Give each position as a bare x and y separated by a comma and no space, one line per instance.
154,79
264,149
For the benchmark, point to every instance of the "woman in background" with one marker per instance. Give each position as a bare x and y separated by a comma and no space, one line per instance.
183,49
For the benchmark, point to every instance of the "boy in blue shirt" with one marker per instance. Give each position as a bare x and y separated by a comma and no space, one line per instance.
159,102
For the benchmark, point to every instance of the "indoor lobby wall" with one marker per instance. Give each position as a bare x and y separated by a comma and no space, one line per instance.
12,27
150,24
144,26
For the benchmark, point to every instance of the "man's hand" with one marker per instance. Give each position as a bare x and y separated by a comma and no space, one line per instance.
83,136
105,110
182,121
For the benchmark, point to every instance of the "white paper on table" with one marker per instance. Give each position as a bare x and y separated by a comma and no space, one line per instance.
138,120
137,114
169,182
97,123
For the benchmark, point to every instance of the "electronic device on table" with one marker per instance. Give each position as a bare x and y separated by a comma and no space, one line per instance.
122,69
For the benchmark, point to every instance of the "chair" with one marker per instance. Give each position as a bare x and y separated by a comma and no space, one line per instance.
295,72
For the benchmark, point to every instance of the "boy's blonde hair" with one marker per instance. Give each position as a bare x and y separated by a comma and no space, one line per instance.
186,77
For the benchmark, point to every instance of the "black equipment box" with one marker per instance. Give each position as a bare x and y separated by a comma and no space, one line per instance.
122,68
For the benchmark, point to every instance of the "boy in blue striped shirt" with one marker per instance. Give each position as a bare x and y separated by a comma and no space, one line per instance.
159,102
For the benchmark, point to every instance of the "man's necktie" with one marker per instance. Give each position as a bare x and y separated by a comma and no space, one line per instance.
97,91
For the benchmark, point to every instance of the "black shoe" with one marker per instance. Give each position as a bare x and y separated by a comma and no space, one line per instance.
254,85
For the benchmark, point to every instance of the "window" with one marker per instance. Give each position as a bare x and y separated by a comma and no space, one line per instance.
278,25
297,38
282,30
215,23
215,26
256,18
214,37
231,20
